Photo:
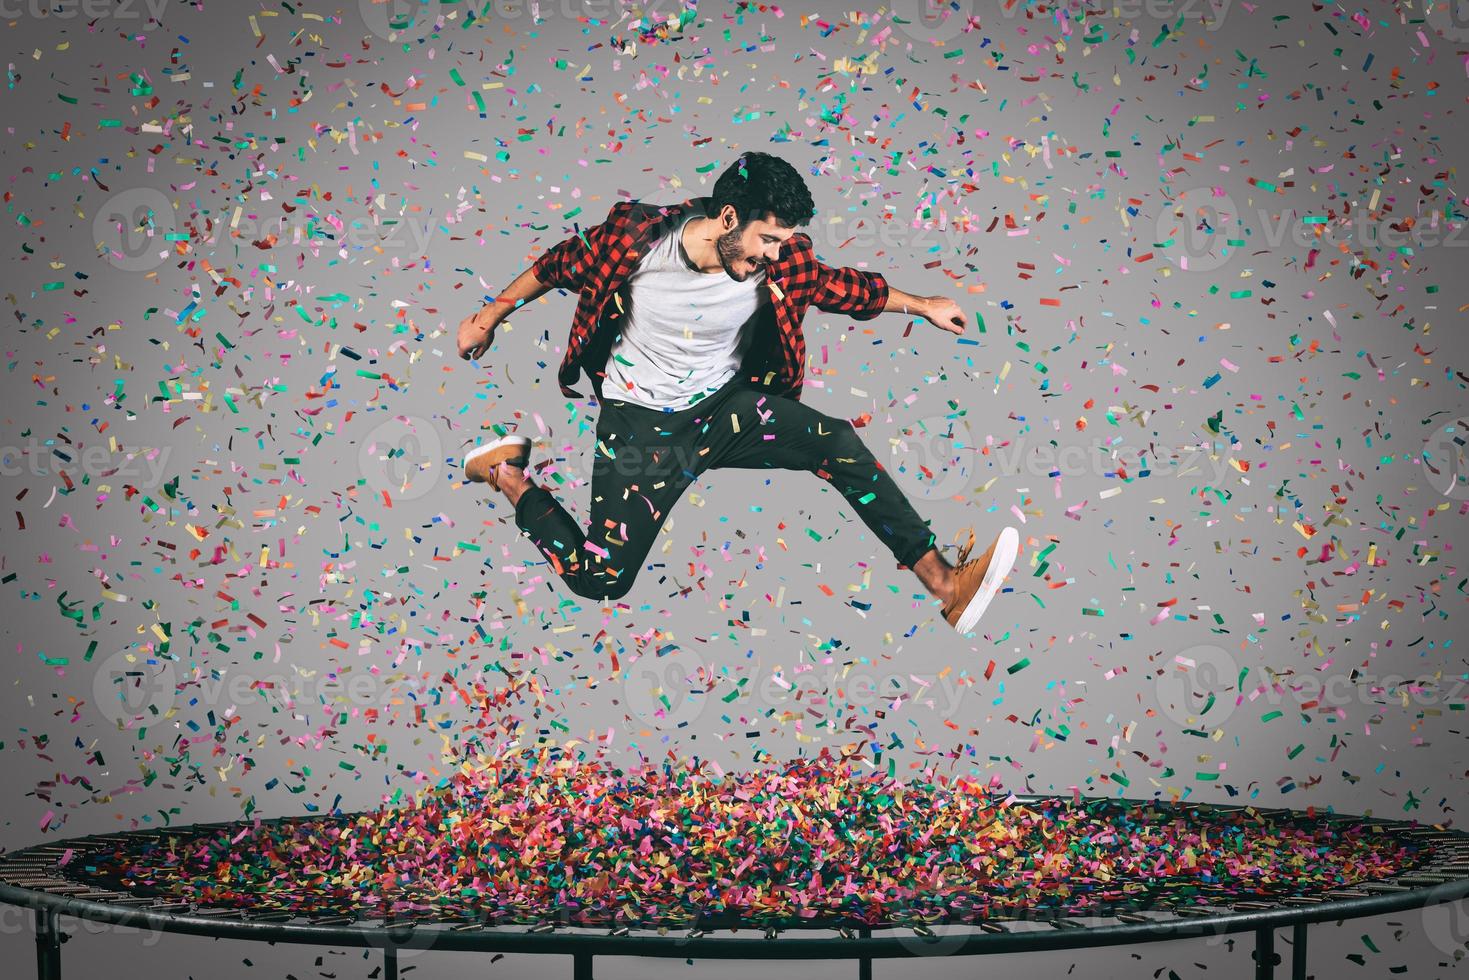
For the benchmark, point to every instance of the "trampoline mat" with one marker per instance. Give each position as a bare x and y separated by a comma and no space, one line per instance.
814,842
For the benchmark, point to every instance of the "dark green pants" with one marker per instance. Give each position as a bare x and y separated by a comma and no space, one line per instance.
644,459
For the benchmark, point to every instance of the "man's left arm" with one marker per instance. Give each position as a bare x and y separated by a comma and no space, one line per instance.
941,311
863,295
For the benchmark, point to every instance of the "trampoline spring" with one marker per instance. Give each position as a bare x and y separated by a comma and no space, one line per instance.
846,932
771,932
34,882
170,907
619,931
1131,917
272,915
1254,906
332,920
1346,893
1383,886
696,933
540,927
923,931
215,913
1425,878
1303,900
992,927
466,926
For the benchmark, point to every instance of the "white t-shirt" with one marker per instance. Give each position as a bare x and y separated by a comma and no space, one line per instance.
685,332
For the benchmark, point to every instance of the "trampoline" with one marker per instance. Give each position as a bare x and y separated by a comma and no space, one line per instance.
808,863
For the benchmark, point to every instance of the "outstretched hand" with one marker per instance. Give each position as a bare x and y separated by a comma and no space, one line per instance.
476,332
945,314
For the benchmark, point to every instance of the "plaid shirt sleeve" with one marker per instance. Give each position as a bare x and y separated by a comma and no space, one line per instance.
860,295
569,264
857,294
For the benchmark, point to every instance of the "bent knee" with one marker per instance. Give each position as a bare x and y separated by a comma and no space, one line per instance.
842,444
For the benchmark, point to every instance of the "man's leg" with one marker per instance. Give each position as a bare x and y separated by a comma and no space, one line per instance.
775,432
637,475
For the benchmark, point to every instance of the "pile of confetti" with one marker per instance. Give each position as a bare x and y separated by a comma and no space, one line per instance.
814,840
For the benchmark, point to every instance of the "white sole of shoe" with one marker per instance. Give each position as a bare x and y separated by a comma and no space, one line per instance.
478,451
1002,559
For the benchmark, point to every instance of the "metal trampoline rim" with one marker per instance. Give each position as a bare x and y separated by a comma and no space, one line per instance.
718,945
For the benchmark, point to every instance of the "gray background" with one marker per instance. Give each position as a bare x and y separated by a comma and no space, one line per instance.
1261,126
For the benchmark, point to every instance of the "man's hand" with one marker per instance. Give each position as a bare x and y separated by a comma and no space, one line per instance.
477,331
943,313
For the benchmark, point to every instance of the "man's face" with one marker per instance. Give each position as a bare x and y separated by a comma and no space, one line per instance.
745,249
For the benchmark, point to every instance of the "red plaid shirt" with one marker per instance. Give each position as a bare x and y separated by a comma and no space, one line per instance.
598,261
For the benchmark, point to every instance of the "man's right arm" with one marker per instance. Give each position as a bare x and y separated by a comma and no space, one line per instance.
566,265
477,332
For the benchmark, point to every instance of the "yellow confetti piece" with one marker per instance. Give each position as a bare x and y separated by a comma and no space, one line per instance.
734,421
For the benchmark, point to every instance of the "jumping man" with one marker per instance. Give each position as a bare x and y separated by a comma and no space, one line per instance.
688,328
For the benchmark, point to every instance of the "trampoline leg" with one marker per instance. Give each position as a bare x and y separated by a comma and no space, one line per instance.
390,963
1298,952
1265,955
48,945
864,963
581,966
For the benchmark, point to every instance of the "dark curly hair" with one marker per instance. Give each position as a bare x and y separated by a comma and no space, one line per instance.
760,184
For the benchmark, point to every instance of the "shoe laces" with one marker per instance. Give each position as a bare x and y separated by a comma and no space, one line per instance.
964,550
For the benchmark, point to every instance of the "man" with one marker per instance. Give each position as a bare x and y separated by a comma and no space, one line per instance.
688,328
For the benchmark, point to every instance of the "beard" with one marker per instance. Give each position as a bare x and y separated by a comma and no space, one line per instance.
732,256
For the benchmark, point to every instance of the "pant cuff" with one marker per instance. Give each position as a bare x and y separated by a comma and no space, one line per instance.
520,504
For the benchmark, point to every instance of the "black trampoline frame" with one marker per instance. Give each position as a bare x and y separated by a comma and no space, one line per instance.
30,879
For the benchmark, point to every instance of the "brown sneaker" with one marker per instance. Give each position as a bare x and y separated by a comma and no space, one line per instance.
482,462
976,580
